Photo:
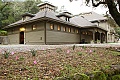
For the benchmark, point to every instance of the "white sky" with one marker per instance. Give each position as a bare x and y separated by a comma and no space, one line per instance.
76,7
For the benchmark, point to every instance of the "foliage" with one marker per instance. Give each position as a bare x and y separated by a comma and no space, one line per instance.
6,54
113,6
74,47
3,33
79,53
33,52
11,11
81,77
116,77
98,75
58,50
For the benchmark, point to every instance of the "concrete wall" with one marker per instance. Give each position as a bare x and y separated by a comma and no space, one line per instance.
4,40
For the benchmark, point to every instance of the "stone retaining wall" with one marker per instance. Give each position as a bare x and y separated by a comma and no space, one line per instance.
4,40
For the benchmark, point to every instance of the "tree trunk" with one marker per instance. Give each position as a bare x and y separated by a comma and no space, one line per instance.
113,11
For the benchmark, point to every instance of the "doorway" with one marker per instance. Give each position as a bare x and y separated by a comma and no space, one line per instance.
22,37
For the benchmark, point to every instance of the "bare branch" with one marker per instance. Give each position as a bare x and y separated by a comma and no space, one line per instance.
95,5
4,6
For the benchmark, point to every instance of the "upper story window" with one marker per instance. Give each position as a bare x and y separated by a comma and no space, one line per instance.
69,29
51,26
64,28
34,27
58,28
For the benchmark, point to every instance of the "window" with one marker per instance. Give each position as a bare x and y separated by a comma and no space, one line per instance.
58,28
34,27
51,26
77,31
69,29
64,28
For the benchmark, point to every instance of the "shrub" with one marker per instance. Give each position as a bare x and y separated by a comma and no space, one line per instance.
81,77
98,75
33,52
58,50
6,54
79,53
116,77
73,47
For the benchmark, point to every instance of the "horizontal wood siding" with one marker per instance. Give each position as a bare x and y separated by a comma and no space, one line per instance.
35,37
13,39
39,26
61,37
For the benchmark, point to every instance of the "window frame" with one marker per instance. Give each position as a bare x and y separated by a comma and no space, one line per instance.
58,27
64,29
51,26
69,29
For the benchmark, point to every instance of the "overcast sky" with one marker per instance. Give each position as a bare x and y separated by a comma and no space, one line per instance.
76,7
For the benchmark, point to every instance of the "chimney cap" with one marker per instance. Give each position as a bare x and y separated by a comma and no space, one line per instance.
44,3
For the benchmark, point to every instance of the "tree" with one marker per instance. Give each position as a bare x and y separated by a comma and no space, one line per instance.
11,11
112,6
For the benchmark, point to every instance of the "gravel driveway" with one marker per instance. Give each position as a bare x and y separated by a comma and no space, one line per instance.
23,48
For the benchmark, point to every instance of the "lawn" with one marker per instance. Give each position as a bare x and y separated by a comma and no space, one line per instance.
49,64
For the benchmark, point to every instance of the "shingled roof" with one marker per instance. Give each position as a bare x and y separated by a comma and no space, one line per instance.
76,21
92,16
42,15
81,22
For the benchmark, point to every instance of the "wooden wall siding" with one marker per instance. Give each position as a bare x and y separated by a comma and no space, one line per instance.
104,25
62,27
34,37
13,39
39,26
111,38
13,30
87,38
62,37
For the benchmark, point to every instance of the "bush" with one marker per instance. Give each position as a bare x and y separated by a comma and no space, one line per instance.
73,47
79,53
6,54
98,75
81,77
33,52
116,77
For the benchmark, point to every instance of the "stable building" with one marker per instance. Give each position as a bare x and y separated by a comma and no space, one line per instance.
49,27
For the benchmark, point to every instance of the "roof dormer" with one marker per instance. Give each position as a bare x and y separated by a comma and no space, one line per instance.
27,16
47,6
65,16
